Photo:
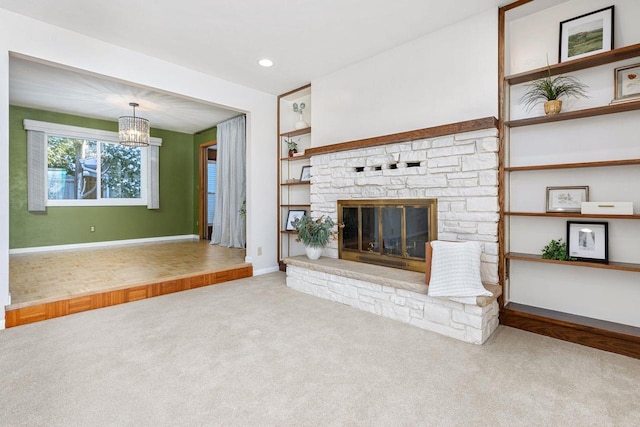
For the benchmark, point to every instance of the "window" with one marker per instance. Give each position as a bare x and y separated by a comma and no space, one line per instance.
74,166
211,191
81,169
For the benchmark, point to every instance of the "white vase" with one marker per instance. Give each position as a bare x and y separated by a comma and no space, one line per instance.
301,124
313,253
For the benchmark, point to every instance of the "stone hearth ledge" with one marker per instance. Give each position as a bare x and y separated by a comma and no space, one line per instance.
396,294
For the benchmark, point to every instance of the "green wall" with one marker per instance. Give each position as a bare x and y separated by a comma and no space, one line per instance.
68,225
199,138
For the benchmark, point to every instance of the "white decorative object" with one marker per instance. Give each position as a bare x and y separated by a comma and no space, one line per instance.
300,124
607,208
455,271
313,253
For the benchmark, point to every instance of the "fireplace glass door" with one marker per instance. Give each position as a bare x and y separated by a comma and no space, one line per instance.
387,232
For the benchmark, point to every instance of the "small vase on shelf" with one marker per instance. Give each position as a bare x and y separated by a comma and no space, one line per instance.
301,124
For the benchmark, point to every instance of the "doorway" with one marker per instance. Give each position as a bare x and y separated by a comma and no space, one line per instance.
207,187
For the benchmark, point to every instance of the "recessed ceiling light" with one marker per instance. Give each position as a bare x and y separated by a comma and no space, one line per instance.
265,62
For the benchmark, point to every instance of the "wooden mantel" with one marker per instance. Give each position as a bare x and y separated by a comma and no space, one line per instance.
412,135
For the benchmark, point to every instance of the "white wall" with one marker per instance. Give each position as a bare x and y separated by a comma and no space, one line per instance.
445,77
37,39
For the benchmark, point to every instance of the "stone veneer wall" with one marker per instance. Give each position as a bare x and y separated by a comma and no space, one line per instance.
461,171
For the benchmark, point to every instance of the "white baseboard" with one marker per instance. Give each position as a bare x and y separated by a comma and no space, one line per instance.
103,244
266,270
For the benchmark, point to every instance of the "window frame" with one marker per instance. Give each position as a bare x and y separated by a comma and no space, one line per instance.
100,136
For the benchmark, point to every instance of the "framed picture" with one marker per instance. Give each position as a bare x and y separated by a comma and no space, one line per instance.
305,174
627,82
588,241
293,216
566,199
586,35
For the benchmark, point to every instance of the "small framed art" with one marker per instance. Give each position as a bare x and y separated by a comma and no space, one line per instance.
586,34
294,215
627,83
305,174
566,199
588,241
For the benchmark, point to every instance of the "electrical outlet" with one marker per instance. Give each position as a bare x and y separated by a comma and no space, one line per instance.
259,250
92,229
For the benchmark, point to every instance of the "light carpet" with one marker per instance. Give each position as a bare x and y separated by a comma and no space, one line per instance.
253,352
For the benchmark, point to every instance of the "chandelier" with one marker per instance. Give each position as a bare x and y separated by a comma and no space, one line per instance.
133,131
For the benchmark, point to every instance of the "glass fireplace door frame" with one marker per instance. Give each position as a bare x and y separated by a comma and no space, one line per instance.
385,250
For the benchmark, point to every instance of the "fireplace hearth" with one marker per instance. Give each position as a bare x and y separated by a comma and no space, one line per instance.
389,232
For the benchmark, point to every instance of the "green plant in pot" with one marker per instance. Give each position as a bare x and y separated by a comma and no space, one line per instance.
315,234
292,146
556,249
550,89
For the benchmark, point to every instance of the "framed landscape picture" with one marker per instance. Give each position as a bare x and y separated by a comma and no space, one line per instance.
586,35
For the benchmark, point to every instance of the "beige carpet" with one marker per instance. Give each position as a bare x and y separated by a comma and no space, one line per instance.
253,352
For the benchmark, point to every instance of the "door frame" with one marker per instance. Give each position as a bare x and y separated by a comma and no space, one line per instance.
203,161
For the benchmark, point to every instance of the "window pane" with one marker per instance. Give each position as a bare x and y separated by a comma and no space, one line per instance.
120,171
370,229
417,225
211,190
392,230
71,165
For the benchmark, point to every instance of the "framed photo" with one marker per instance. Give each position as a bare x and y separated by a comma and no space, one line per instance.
586,35
566,199
588,241
627,82
305,174
293,216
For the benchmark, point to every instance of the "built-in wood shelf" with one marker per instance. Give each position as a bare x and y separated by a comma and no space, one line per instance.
623,266
605,163
579,114
603,58
297,132
288,232
295,183
600,334
300,205
572,215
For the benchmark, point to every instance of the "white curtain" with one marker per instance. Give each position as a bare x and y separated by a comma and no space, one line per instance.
36,171
228,224
153,177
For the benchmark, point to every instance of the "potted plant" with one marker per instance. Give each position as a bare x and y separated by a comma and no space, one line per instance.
556,249
550,89
292,146
315,234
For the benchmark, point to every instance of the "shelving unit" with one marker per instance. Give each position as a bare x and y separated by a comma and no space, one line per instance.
293,194
528,277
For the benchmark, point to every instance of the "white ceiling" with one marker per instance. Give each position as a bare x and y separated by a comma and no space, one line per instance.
46,87
306,39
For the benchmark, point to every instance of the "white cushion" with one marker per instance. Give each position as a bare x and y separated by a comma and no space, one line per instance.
455,271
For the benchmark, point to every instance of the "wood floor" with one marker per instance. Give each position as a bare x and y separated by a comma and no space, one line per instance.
51,284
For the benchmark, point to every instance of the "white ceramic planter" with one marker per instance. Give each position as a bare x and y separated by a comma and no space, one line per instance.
313,253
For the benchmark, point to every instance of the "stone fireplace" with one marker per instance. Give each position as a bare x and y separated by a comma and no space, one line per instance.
460,171
400,191
390,232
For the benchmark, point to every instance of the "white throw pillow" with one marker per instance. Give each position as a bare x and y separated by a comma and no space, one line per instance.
455,271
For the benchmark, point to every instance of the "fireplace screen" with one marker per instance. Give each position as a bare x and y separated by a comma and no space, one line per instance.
387,232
